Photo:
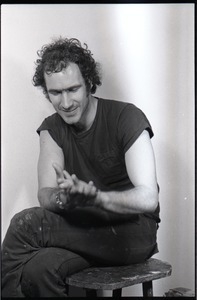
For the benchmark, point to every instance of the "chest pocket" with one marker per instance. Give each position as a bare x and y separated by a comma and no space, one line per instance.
109,165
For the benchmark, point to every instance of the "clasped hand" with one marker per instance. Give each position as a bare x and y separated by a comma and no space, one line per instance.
80,192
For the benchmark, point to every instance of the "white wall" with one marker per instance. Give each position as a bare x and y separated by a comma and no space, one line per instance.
147,53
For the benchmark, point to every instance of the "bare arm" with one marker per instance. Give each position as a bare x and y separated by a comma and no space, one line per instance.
50,152
140,163
57,189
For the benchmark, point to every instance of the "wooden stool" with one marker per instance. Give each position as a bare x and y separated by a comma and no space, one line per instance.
116,278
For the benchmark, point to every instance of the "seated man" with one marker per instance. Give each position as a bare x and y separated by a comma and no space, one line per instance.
98,190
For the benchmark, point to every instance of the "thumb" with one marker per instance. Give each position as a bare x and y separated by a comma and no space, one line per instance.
58,171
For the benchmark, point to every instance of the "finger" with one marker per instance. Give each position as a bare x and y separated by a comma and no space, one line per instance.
75,178
88,189
67,175
93,191
58,170
60,180
67,185
79,185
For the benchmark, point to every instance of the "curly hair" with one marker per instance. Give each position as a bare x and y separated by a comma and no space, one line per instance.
56,56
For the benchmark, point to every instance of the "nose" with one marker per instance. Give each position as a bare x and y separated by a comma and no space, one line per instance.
66,100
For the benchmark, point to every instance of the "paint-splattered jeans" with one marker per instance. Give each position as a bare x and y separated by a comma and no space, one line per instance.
41,248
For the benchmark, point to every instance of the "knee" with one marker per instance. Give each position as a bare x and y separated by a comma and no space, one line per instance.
27,213
25,216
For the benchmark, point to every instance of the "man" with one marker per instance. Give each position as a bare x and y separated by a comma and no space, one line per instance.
98,190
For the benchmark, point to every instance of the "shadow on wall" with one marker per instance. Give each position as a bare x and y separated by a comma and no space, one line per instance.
20,143
177,216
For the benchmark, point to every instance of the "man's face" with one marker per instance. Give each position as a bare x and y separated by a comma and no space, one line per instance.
67,93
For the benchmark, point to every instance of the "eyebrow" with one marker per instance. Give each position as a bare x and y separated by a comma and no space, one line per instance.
69,88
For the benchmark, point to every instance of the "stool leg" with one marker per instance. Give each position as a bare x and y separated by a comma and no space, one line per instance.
117,293
91,293
147,289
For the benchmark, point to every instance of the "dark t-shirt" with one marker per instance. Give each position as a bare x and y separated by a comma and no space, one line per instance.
98,154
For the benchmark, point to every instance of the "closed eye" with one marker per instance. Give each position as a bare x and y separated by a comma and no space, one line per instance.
54,92
73,89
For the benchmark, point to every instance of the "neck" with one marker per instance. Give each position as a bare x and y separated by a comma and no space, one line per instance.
89,116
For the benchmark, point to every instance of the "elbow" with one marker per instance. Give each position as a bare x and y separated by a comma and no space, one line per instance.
152,202
40,197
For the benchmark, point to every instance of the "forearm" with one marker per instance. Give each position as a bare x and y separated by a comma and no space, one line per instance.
59,200
137,200
133,201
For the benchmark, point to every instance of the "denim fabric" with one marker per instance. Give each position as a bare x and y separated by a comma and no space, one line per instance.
41,248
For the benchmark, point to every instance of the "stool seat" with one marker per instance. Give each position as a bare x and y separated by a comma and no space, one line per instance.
118,277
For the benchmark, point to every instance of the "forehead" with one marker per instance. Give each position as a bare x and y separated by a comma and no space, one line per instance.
68,76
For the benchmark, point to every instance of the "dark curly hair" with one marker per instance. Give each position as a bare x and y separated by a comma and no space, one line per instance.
56,56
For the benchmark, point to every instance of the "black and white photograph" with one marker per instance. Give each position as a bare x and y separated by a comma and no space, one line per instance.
98,150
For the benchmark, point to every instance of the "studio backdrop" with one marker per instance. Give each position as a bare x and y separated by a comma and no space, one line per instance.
147,57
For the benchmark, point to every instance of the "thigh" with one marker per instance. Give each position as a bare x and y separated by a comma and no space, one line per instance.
92,234
141,238
88,233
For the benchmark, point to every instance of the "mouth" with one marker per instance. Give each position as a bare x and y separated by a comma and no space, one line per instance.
70,112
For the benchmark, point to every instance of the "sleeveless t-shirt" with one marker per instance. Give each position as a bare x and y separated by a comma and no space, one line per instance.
98,153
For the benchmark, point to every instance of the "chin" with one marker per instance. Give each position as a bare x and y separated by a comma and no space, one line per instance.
70,120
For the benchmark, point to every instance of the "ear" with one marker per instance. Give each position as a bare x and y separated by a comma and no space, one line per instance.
88,89
47,95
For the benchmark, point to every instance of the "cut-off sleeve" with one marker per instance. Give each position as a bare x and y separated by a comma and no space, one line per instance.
132,122
54,125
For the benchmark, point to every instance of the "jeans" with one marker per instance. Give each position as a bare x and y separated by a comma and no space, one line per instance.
41,248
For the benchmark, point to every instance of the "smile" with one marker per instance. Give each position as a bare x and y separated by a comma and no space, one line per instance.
70,111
